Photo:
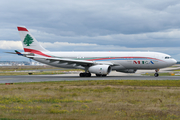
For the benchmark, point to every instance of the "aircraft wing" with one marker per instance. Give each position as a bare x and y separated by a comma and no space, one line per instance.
71,61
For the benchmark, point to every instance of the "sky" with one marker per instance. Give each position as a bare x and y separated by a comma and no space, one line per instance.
92,25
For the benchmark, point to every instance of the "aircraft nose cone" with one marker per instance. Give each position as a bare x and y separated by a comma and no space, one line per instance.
174,61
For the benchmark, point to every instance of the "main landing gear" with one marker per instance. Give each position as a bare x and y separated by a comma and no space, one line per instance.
156,74
89,75
85,74
99,75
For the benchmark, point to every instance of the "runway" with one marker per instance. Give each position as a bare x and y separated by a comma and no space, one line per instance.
75,77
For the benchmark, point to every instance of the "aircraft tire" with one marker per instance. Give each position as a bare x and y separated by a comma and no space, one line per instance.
88,74
156,74
85,74
81,75
99,75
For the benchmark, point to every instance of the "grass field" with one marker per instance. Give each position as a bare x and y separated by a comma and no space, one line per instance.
87,100
33,73
161,74
20,68
25,70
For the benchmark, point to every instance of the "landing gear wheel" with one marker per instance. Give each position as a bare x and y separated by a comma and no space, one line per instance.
156,74
88,74
81,74
85,74
99,75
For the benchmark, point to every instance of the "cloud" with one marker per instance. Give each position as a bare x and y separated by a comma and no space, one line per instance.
65,46
93,17
166,38
93,25
10,45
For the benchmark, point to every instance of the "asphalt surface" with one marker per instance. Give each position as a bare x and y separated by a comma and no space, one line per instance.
72,77
75,76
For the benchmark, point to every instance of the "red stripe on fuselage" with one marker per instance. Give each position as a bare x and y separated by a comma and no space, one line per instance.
35,52
22,29
122,57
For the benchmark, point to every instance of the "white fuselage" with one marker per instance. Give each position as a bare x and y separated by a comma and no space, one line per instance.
123,60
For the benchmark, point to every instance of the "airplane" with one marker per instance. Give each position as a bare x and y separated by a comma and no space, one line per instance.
98,63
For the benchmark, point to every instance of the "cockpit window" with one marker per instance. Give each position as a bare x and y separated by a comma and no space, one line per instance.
168,57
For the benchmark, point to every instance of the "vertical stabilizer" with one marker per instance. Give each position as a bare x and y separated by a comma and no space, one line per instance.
30,44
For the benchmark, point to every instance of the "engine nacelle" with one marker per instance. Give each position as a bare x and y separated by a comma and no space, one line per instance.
100,69
127,71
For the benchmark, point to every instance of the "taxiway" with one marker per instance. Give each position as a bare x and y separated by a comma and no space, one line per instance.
75,76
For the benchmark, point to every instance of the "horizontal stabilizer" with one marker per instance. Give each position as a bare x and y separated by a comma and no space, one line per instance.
11,52
16,52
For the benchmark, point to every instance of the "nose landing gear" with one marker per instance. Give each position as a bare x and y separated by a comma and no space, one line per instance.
156,74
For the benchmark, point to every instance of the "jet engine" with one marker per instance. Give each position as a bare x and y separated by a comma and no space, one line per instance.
100,69
127,71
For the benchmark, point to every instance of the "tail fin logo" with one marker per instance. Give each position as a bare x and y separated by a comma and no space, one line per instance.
28,40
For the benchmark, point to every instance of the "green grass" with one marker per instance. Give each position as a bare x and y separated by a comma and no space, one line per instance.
25,70
101,99
22,68
170,83
33,73
160,74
